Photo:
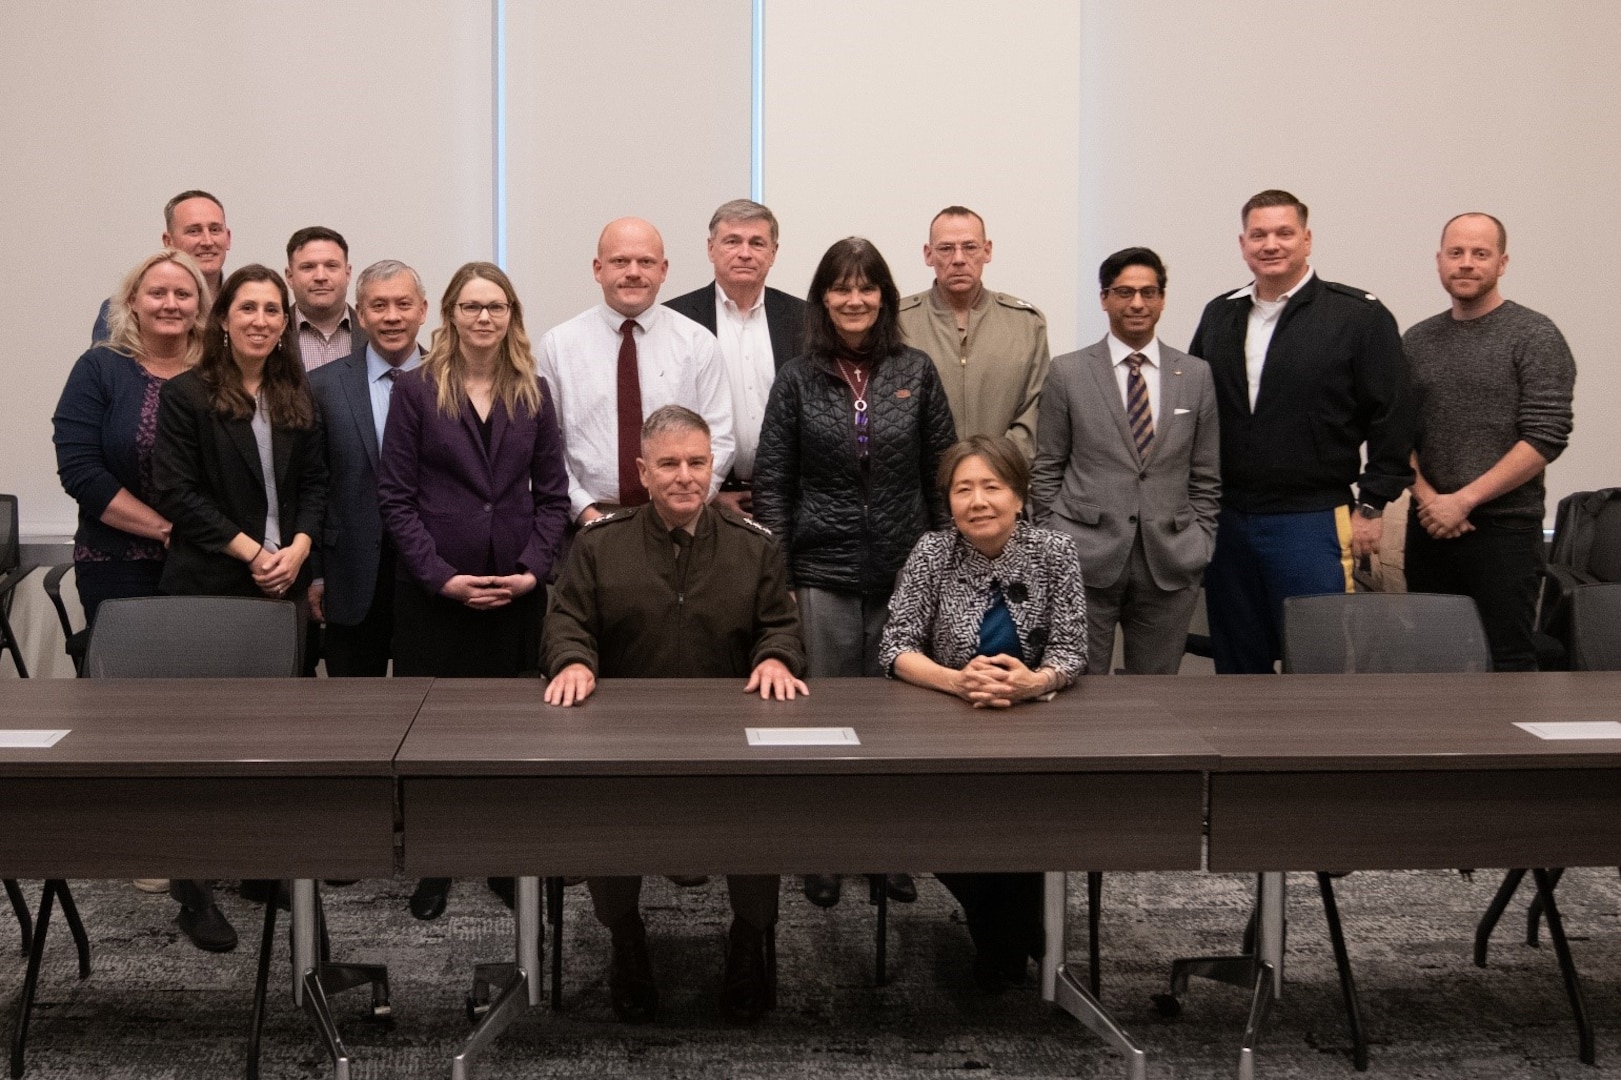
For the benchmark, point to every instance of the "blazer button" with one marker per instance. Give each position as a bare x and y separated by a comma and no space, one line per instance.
486,508
1142,476
1132,519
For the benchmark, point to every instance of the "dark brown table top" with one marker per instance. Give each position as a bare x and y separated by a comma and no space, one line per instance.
697,726
1392,722
210,727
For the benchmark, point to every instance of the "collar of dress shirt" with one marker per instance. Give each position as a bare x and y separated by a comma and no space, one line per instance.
645,320
376,366
1249,290
301,320
1119,350
724,303
942,306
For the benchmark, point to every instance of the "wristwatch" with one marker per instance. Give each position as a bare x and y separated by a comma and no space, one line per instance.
1369,511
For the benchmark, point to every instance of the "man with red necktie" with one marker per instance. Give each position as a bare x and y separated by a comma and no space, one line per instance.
612,365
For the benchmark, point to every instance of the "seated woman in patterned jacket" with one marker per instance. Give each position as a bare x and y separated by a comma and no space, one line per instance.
993,612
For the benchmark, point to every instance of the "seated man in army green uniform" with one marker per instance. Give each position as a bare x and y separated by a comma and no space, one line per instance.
677,589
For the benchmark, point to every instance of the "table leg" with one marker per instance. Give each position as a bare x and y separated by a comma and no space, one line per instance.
36,952
519,981
307,990
1061,987
1546,881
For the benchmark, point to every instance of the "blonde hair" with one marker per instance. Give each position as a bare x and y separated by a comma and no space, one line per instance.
515,370
123,328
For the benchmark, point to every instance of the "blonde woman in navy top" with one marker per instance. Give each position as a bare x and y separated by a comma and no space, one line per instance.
106,423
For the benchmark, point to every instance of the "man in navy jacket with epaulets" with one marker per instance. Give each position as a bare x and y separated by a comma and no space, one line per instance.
1306,371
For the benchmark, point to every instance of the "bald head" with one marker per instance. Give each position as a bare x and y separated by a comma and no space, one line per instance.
630,265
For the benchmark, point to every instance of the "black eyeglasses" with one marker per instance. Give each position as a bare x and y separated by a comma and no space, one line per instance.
1126,292
497,309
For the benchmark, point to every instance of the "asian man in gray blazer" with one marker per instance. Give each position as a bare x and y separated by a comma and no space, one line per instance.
1128,464
355,565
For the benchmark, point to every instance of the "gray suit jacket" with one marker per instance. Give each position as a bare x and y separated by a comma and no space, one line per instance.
1090,482
351,542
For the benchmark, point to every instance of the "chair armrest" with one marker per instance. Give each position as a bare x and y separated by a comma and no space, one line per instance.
53,589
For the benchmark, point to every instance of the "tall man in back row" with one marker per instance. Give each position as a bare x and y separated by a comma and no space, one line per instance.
616,362
1492,382
1307,371
758,328
677,589
193,222
990,348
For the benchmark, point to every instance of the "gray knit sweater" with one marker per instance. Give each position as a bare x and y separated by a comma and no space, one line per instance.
1480,386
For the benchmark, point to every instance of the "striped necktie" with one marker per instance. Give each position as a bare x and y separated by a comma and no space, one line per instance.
1137,411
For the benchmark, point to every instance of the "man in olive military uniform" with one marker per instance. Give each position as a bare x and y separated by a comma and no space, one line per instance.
677,589
990,348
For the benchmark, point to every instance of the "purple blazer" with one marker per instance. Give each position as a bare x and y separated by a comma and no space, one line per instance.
453,509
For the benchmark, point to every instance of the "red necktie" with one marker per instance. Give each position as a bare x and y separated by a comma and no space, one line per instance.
631,491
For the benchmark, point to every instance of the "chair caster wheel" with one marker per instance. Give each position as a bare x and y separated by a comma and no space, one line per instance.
1168,1006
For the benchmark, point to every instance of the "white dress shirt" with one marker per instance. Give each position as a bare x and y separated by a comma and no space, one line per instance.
382,388
1118,352
1263,323
745,350
679,364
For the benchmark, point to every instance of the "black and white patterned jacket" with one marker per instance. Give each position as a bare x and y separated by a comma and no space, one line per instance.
946,587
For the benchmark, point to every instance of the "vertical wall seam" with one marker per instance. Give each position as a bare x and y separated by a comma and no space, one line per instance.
757,104
498,130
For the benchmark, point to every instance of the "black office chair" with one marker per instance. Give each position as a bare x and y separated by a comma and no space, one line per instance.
75,641
1354,633
12,573
1593,644
1586,551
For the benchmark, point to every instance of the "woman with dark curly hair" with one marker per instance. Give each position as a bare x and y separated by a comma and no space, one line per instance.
240,469
844,476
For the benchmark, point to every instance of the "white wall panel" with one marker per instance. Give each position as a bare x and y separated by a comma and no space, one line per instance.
613,111
372,118
878,115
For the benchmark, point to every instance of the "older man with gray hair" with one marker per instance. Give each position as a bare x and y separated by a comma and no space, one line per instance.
353,592
759,328
697,592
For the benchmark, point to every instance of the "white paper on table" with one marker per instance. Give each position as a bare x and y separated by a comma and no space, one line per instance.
30,738
1574,729
802,736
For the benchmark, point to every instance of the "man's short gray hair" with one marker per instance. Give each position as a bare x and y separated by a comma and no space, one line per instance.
383,270
743,210
672,418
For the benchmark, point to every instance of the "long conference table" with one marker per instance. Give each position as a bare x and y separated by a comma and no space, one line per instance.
233,778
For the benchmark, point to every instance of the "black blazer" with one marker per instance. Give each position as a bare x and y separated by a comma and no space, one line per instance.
209,483
350,546
784,318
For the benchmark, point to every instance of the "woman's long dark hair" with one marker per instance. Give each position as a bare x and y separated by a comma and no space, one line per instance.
285,389
853,259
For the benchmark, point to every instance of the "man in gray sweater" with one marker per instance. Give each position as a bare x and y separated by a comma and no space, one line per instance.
1492,382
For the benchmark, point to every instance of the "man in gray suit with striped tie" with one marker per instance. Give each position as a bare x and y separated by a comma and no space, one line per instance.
1128,464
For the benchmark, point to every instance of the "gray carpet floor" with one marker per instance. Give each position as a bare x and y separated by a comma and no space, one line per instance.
156,1008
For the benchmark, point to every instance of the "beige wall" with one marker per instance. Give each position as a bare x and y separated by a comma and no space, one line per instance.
878,115
613,111
371,118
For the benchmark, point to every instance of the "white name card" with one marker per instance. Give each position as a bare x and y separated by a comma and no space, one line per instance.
802,736
30,739
1574,729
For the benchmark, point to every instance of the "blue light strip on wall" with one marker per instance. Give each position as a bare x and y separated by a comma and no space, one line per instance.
498,124
757,106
